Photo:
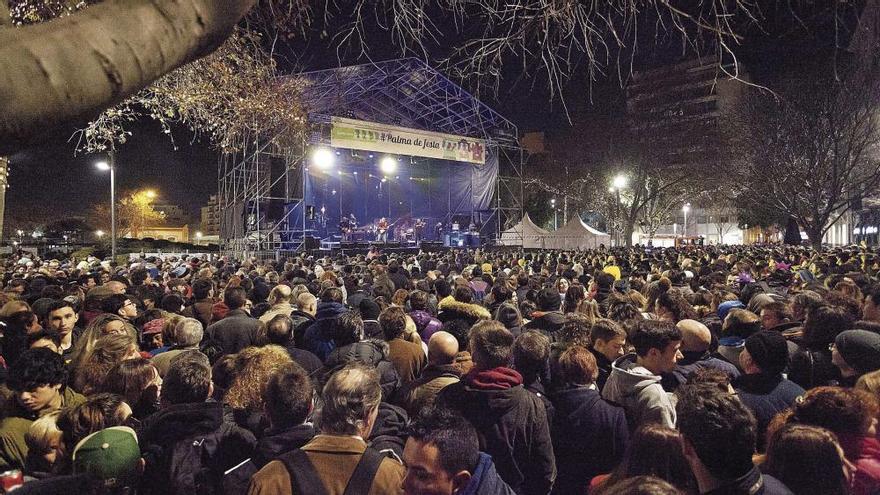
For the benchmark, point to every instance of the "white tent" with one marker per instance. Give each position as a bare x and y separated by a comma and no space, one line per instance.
578,235
526,232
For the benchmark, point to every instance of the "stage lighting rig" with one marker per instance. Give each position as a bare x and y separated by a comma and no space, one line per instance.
388,165
323,158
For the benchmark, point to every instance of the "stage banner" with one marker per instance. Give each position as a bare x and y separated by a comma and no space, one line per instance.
370,136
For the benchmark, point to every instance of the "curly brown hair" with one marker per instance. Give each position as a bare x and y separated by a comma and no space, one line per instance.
252,369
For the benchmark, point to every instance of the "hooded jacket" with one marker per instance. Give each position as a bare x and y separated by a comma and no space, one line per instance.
454,310
318,337
485,480
416,395
511,423
370,352
640,393
548,323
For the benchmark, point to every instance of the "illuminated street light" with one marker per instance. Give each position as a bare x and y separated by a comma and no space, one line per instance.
619,182
105,166
684,228
99,233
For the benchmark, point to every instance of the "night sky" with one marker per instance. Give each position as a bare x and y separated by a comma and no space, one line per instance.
48,181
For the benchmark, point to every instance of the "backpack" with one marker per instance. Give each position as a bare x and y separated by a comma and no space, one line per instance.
189,466
304,478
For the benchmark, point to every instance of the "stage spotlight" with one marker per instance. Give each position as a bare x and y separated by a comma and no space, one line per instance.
355,173
323,158
388,165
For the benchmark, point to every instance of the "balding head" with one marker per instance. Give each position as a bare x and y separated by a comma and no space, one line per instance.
695,337
442,348
307,303
116,287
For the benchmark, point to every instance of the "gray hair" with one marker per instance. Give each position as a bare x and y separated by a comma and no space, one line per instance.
188,332
350,397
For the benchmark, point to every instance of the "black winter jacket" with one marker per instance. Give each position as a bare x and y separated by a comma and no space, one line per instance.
369,352
512,426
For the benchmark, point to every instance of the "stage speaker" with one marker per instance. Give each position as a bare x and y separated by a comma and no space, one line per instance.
392,245
348,245
311,242
277,177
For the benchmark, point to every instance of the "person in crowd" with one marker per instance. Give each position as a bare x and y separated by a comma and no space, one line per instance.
549,316
138,382
97,412
279,331
777,316
289,401
188,334
425,322
38,382
589,434
120,305
318,337
607,344
855,353
442,457
303,316
808,460
187,444
811,364
461,307
655,450
202,303
635,378
43,440
351,401
531,358
408,358
852,416
513,421
61,317
108,351
762,387
718,439
351,347
509,316
237,329
252,369
44,338
696,340
440,372
279,299
101,325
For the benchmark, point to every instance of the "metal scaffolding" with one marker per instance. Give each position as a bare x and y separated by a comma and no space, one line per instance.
261,186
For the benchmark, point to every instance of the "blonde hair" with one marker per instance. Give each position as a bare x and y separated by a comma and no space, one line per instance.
96,329
869,382
43,432
251,371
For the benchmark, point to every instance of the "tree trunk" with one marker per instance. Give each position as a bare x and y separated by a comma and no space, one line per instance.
70,69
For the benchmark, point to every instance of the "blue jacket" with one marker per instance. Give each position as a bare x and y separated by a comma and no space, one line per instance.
485,480
318,337
766,396
590,436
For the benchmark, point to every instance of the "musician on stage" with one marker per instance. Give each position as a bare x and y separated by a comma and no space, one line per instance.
345,227
382,230
438,231
418,229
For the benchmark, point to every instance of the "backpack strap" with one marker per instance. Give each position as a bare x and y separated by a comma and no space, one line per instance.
362,478
304,478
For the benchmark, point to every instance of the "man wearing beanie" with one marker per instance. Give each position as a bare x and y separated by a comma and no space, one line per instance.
551,318
855,353
762,387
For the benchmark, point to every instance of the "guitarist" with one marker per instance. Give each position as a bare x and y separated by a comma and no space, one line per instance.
382,230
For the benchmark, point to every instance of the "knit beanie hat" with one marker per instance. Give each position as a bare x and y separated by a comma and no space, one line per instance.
769,350
860,349
369,309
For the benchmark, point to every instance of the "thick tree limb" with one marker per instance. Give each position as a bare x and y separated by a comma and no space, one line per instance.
70,69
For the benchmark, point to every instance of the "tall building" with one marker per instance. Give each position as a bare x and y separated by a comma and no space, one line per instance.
210,221
676,110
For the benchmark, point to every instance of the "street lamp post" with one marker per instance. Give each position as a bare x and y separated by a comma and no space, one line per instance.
111,166
617,184
684,228
555,214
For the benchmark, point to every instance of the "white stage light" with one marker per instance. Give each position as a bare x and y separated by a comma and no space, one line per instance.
323,158
388,165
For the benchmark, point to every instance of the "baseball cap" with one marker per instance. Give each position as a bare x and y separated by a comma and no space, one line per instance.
111,454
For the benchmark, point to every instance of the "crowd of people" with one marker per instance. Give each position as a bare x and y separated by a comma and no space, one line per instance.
721,370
